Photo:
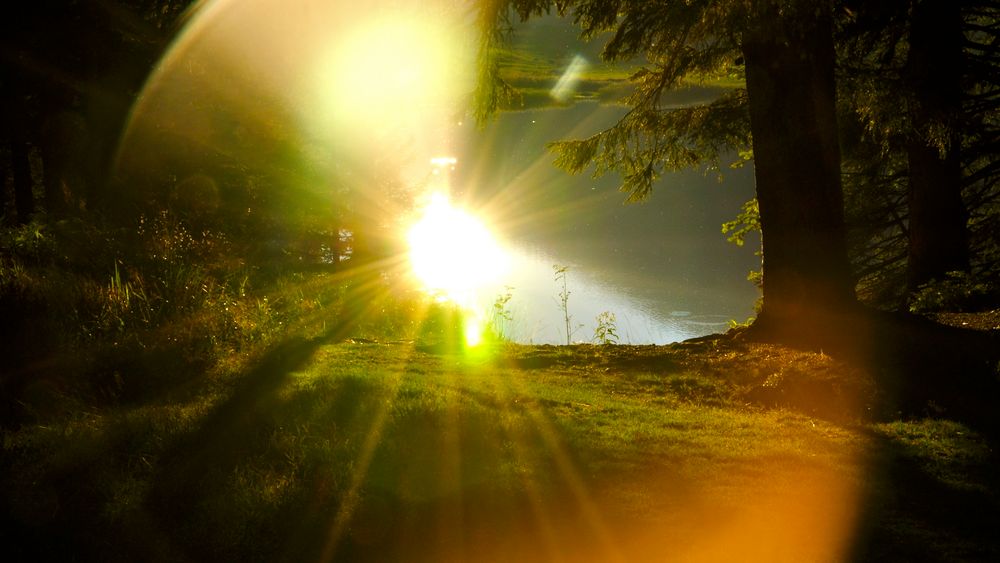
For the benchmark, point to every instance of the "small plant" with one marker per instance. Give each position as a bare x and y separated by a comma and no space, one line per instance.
31,242
561,278
126,302
606,331
500,316
735,324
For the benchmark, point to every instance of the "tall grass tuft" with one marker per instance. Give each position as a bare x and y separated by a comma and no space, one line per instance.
500,317
561,278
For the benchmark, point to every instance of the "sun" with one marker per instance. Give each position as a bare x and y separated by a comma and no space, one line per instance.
453,254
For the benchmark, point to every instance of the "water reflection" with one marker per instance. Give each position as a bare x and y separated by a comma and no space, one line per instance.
538,317
662,267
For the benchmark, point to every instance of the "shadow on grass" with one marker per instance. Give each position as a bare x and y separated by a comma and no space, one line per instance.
433,492
195,470
921,368
115,492
364,481
66,521
912,514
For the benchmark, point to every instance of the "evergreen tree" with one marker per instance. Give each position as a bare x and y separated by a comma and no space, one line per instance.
787,111
919,94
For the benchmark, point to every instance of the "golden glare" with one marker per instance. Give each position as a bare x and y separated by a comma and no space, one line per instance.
392,64
453,253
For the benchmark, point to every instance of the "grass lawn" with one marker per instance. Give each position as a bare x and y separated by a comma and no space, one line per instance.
393,451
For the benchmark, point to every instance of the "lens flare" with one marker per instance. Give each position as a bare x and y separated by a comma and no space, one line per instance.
392,68
566,86
453,254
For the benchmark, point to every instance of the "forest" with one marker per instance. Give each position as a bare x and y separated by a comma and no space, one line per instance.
212,347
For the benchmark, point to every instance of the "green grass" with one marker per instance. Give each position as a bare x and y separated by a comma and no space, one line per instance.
321,449
154,411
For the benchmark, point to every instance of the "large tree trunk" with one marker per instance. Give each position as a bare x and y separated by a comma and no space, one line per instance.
24,200
937,217
790,83
938,240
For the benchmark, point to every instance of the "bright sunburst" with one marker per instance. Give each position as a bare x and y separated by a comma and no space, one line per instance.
453,253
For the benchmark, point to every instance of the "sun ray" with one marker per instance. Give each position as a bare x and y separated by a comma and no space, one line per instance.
572,477
504,195
544,518
351,502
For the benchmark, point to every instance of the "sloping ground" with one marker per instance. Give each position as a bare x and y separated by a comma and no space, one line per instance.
713,450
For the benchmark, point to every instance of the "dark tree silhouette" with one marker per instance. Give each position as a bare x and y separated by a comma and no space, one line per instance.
938,242
789,58
69,72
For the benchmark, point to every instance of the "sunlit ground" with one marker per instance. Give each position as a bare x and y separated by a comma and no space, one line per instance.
382,452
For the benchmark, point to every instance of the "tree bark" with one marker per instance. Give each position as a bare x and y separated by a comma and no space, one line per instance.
790,83
938,239
24,200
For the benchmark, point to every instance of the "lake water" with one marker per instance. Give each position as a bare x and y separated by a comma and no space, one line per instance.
537,314
663,267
